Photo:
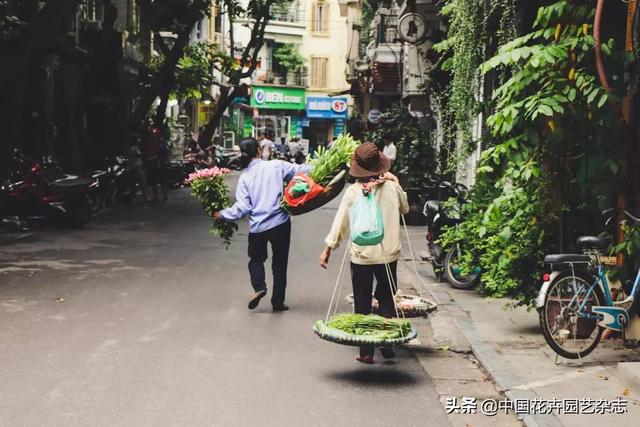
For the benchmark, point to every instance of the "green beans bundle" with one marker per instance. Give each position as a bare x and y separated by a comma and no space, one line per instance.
327,163
370,325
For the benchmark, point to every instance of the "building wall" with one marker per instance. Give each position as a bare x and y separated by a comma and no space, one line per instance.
330,44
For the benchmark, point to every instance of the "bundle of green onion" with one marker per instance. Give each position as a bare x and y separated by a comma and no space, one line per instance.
327,163
370,325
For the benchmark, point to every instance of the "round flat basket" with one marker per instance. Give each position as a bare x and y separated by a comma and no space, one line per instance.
409,305
340,337
331,191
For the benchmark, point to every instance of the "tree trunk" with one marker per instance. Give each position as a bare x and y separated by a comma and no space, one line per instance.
159,120
205,137
248,59
162,79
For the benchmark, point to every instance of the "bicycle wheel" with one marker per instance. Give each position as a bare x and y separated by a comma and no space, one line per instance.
453,273
567,329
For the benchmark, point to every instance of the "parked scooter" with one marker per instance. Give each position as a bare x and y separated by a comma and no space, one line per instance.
438,216
228,159
118,182
42,192
178,171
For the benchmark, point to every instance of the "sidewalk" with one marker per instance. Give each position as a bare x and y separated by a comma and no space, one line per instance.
509,345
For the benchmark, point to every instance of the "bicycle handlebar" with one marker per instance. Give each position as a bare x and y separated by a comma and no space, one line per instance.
626,212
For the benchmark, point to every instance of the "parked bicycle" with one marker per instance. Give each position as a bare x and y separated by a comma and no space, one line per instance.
576,303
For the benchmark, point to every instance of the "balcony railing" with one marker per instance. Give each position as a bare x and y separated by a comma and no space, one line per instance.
294,13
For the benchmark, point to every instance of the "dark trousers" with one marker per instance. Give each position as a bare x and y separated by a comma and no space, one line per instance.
362,282
280,238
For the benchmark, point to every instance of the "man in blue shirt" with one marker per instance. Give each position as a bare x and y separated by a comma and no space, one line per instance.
258,195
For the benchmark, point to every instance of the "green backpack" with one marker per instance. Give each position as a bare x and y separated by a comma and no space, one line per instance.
365,221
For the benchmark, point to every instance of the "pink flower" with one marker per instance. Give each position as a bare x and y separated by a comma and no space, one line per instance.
209,173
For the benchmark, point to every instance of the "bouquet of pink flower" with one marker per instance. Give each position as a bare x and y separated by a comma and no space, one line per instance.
210,189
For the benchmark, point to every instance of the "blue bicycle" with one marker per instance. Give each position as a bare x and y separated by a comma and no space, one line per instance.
576,304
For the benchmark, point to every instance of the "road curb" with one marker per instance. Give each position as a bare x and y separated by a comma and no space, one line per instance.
8,240
630,374
491,362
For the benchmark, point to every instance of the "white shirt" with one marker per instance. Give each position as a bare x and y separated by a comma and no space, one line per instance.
390,151
266,145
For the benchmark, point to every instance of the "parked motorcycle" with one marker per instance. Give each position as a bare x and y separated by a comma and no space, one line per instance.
118,182
99,189
228,159
178,171
438,214
42,192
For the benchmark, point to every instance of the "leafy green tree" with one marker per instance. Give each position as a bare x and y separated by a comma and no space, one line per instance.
289,57
235,68
179,17
416,160
537,184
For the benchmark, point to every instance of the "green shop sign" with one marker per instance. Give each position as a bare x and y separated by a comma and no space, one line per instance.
278,98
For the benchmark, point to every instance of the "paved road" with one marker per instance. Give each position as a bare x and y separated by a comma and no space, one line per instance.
141,320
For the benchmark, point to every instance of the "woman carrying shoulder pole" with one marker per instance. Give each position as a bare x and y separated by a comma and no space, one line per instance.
371,170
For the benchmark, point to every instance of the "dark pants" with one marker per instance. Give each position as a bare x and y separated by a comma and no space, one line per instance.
279,237
362,282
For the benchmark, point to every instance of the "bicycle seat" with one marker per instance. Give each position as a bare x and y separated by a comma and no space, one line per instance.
566,258
592,242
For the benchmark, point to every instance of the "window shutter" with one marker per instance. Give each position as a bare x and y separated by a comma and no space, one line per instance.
313,16
324,72
325,17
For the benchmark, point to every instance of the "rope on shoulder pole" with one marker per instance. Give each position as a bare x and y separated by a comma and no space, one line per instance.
392,286
413,258
335,289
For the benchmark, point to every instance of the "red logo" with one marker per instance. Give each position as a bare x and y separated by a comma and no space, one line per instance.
339,105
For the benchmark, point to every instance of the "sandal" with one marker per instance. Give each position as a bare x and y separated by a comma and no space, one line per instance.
367,360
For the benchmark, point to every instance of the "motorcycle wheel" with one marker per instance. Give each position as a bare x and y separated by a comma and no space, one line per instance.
126,197
436,260
235,165
78,217
97,202
452,270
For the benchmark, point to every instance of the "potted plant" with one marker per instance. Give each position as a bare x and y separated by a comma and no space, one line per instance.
291,59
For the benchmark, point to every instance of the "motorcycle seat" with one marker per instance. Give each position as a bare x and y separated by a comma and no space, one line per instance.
71,184
98,174
433,205
566,258
592,242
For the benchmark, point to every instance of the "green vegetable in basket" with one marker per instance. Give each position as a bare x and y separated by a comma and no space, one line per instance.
370,325
327,163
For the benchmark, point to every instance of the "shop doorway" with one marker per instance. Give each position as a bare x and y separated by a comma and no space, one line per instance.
274,127
318,133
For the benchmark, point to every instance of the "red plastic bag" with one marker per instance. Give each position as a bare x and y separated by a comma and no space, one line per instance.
294,195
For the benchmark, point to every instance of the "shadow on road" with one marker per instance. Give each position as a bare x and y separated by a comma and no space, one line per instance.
376,376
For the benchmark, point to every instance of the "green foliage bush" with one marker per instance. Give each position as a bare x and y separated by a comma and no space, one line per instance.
550,118
289,57
416,159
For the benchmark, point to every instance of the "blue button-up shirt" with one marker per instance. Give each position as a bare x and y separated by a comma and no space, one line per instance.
259,193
